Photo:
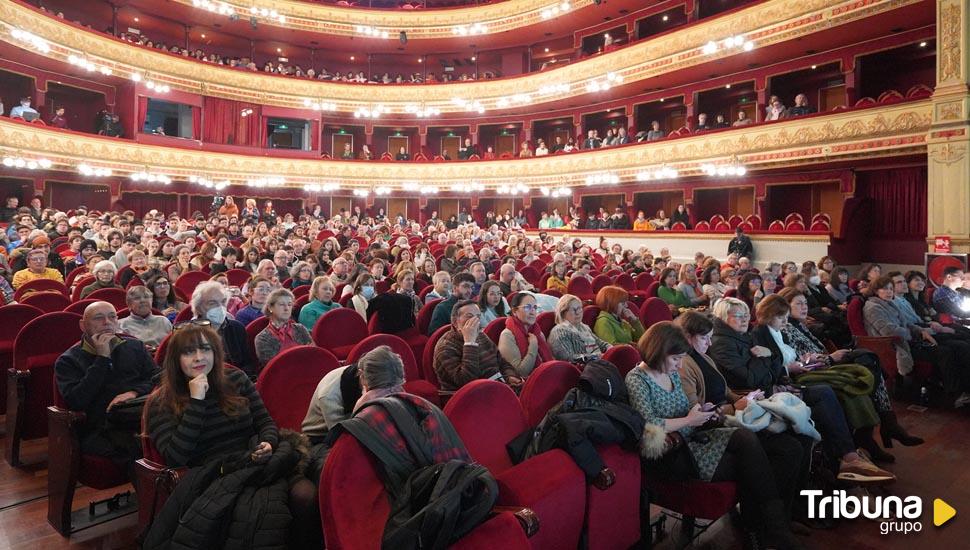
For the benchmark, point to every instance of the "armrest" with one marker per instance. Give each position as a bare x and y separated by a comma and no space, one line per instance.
884,347
154,483
528,519
605,479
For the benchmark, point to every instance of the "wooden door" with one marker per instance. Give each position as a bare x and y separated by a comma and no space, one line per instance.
830,98
450,144
397,206
447,208
505,144
676,121
336,203
337,143
394,144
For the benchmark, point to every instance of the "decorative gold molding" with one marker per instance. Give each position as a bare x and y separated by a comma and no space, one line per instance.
766,24
947,153
950,50
419,24
877,132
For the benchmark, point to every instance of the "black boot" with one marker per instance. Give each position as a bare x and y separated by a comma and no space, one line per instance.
890,429
863,439
776,530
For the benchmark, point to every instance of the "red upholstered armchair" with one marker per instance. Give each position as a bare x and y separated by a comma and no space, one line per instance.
581,288
354,507
487,415
288,381
883,346
624,356
48,301
30,383
13,317
38,285
612,503
339,330
67,466
653,311
412,373
114,296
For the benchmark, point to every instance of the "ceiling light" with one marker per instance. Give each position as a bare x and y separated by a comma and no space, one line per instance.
150,177
814,67
473,58
351,58
665,18
95,171
136,20
547,50
203,35
922,44
728,86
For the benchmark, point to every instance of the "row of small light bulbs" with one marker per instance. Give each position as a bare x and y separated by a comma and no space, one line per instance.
150,177
728,43
469,30
88,65
151,84
209,183
28,163
223,8
32,39
555,10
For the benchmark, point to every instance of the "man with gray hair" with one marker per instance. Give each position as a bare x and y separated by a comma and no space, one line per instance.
209,302
141,323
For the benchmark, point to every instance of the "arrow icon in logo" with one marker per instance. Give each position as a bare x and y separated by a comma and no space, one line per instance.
942,512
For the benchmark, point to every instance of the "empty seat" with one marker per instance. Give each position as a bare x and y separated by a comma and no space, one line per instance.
338,331
288,381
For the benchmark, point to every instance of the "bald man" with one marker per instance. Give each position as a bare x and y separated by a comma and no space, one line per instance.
103,371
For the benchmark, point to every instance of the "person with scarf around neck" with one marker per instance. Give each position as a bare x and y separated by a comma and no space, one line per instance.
321,292
282,332
522,343
104,277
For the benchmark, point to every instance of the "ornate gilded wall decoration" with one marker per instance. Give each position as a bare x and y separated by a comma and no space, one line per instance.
950,23
948,153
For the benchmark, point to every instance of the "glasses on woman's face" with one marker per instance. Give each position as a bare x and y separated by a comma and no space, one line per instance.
741,315
576,309
530,308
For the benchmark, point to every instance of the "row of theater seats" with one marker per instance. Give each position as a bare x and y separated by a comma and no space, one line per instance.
792,222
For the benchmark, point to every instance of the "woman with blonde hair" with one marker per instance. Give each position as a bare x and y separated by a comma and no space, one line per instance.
571,340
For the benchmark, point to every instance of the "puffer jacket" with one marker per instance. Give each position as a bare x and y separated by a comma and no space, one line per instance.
232,503
595,413
731,352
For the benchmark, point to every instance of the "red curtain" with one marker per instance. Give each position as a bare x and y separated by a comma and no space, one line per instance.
143,202
196,123
70,195
223,122
898,201
142,113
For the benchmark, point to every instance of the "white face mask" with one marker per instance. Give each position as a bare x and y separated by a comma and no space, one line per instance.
814,280
367,291
216,315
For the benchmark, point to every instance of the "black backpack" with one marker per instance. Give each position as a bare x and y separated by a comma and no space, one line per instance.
432,505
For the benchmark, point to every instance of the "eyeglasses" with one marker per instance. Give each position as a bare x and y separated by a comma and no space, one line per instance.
530,307
741,315
196,322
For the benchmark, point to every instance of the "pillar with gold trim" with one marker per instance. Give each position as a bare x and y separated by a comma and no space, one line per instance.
948,144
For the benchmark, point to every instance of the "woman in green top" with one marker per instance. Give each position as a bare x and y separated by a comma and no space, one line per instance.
669,293
322,292
616,323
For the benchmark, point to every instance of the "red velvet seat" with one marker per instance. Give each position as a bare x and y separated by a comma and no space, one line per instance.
67,466
74,274
581,288
47,301
545,388
35,350
338,331
412,373
776,226
494,329
692,498
702,225
643,281
354,506
189,280
883,346
13,317
530,274
253,329
427,363
114,296
653,311
590,313
425,314
238,277
601,281
652,289
626,282
546,320
487,415
624,356
288,381
38,285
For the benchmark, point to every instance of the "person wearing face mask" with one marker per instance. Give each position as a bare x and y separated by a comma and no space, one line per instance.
104,370
209,301
364,291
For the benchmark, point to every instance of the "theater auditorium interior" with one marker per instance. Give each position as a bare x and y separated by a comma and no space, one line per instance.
484,274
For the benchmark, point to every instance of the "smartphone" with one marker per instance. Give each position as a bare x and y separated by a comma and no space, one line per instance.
708,407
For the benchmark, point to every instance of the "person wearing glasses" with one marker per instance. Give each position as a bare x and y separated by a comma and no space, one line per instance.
209,302
105,369
571,339
464,353
521,343
749,366
36,269
164,298
141,322
259,289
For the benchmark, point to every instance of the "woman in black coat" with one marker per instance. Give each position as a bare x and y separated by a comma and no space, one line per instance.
746,365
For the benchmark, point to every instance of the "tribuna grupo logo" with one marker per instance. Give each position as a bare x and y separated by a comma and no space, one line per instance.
895,514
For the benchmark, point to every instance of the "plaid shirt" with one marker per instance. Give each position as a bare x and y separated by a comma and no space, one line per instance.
441,449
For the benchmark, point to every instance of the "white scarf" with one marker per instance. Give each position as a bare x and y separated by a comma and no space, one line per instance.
788,353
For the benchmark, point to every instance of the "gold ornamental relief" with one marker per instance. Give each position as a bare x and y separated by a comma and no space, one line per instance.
947,154
767,23
950,49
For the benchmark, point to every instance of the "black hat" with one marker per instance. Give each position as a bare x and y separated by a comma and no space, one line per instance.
88,243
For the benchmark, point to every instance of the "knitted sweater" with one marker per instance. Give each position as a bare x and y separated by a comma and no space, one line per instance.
456,364
570,343
313,311
204,432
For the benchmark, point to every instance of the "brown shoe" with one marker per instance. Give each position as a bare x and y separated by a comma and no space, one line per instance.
864,472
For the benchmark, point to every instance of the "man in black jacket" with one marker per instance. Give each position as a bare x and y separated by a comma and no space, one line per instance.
741,244
209,301
103,371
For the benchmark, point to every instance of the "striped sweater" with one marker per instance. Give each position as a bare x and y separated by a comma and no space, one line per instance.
204,432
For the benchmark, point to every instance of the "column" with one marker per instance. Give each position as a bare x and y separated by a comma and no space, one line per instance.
761,87
948,188
851,80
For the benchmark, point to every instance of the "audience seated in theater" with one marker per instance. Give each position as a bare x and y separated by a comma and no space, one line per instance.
688,285
141,323
775,110
558,279
348,152
642,223
363,292
464,353
725,454
104,277
750,366
669,292
58,120
164,298
541,149
801,107
198,390
24,110
39,241
209,301
720,122
524,150
258,291
365,153
570,146
571,339
616,323
492,303
441,286
282,332
466,149
402,154
702,123
946,298
321,293
838,285
105,369
591,141
743,119
36,269
660,220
